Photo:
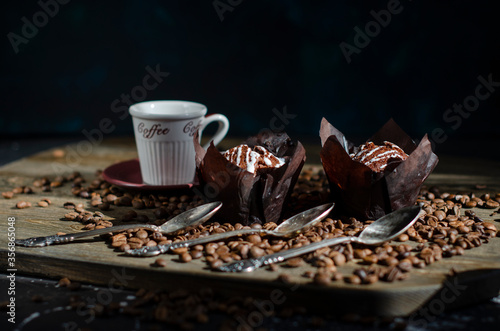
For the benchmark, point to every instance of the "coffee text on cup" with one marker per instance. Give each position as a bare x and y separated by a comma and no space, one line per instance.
155,129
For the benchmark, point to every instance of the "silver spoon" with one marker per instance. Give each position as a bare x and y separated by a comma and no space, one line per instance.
291,227
384,229
186,220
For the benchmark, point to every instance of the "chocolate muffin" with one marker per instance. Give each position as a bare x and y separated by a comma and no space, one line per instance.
378,177
253,180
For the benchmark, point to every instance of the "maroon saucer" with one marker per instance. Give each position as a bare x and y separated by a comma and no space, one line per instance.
127,174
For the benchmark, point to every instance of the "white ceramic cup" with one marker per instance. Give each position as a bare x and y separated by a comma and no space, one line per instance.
164,133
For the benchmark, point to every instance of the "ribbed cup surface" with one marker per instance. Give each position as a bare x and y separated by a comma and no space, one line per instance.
166,162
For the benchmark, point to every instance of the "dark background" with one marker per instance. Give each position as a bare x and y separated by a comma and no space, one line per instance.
262,55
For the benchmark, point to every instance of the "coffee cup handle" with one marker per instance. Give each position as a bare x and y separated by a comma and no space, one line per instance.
221,130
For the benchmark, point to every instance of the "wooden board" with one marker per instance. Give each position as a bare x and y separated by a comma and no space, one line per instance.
93,262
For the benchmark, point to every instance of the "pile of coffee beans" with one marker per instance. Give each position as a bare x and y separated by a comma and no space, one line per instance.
444,231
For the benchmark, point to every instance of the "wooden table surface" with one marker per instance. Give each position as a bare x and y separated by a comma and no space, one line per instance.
93,262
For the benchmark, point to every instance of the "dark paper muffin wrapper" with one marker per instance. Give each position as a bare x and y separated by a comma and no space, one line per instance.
360,192
250,198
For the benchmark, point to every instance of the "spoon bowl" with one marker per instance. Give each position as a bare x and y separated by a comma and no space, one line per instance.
389,226
191,218
302,222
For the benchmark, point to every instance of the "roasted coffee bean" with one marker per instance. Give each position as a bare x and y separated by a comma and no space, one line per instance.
197,248
353,279
151,243
64,282
471,204
392,274
69,205
359,253
491,204
180,250
18,190
403,255
47,200
295,262
55,184
485,196
43,204
256,252
338,258
139,241
361,273
210,248
185,257
403,237
137,204
323,261
256,226
215,264
195,254
463,229
370,259
322,279
27,190
226,258
370,279
119,237
222,250
79,208
123,201
336,276
405,265
23,204
110,198
89,226
8,195
124,247
84,194
160,262
141,234
254,238
38,183
134,245
390,261
490,226
441,215
388,248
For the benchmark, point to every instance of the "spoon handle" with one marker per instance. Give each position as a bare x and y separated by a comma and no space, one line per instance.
60,239
252,264
160,249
